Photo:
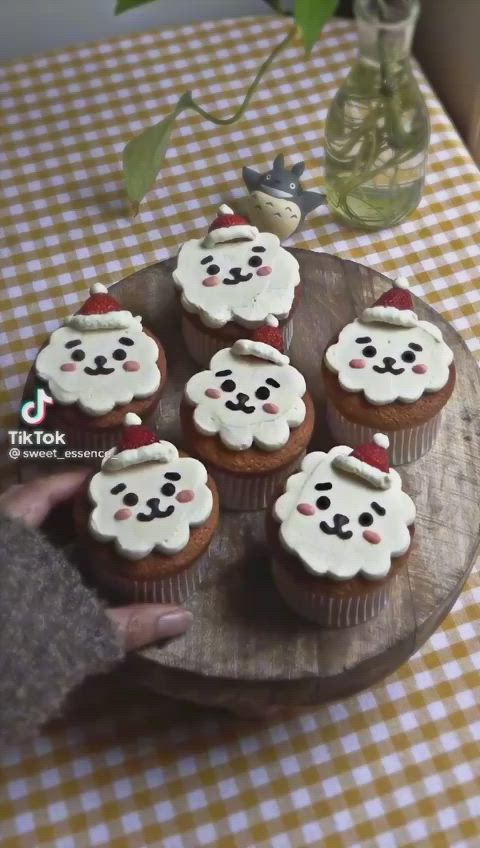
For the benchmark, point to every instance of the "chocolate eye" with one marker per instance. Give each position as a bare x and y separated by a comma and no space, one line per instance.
323,502
119,354
212,270
78,355
369,351
168,489
255,261
262,393
130,499
365,519
228,386
408,356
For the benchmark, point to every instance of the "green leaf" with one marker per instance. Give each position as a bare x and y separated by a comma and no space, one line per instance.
311,16
144,154
125,5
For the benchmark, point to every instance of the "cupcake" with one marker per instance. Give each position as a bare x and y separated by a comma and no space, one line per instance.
340,534
249,418
146,519
100,365
232,281
388,371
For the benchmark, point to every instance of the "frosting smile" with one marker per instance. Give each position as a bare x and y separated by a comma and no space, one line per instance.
100,369
389,369
236,277
339,521
155,512
241,405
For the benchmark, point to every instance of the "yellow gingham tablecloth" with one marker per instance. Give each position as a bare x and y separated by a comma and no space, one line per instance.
396,766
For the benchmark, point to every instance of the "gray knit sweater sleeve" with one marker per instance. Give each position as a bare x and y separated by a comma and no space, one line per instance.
53,631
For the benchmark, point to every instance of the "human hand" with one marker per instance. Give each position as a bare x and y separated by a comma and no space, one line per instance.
138,624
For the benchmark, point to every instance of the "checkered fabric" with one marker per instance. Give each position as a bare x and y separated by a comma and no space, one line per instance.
397,766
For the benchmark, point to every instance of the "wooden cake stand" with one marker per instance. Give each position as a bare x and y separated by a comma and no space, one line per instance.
245,645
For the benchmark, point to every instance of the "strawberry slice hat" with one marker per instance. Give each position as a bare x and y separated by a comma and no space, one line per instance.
266,344
395,306
369,461
229,226
101,312
138,444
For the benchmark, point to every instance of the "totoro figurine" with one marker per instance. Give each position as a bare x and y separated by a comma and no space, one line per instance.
277,201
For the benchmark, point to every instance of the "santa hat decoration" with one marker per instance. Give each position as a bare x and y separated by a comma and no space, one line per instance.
369,461
228,226
101,312
393,307
137,445
266,344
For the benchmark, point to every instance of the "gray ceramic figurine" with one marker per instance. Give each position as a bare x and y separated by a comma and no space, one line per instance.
277,201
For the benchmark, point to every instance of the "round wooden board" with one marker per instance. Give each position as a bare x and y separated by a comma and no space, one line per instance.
244,644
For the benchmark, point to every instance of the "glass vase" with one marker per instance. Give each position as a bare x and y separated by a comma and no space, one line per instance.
377,129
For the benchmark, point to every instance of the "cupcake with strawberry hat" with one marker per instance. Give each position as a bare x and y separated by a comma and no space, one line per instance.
389,371
341,533
249,418
232,281
100,365
146,519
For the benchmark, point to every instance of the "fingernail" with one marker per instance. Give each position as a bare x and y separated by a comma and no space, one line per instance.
173,623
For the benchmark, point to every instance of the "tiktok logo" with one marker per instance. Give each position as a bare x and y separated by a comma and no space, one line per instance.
34,412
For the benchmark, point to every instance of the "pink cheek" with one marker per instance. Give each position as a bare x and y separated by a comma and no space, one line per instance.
122,514
68,366
131,365
357,363
213,393
420,369
272,408
264,271
185,496
211,281
372,537
306,509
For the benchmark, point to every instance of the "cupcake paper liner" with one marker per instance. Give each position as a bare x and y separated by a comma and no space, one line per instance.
201,345
327,610
252,492
165,590
406,445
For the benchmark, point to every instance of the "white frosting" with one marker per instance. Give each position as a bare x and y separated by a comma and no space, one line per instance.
99,393
121,319
239,429
169,534
250,302
157,452
372,475
390,342
248,347
390,315
348,498
223,234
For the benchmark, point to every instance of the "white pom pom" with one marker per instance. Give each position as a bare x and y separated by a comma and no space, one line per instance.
223,209
131,420
271,321
98,288
381,440
401,283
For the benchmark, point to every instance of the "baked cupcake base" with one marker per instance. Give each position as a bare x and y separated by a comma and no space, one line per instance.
202,344
248,480
157,578
324,601
406,445
411,427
